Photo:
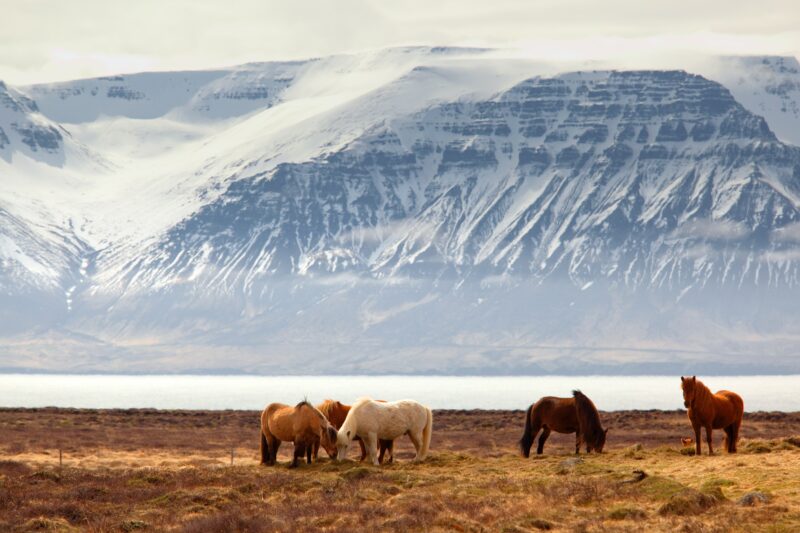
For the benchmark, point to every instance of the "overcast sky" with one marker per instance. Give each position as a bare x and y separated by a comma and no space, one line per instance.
43,40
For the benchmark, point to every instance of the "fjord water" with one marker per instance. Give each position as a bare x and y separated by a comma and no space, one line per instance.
760,393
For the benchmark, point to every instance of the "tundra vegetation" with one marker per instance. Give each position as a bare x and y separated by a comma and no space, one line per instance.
149,470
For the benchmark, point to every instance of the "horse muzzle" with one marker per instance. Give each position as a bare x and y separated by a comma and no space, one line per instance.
686,404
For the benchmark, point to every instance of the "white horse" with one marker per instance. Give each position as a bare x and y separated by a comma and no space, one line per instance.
373,420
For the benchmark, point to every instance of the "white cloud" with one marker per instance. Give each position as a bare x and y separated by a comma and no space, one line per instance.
96,37
788,233
782,256
714,230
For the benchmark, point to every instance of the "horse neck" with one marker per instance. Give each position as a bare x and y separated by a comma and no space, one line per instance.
347,424
588,412
702,394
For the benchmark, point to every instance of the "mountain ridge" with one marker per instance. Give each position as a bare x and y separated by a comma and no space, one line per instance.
370,212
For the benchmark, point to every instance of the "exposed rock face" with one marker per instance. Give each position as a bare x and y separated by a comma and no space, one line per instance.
654,179
572,223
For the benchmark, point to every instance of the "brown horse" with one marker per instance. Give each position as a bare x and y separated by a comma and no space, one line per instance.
563,415
336,412
722,410
302,424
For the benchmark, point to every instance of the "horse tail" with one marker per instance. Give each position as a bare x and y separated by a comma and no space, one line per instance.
265,455
526,441
427,431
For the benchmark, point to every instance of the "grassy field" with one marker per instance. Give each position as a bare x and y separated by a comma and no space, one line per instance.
147,470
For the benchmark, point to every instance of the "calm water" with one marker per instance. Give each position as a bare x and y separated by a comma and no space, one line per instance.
768,393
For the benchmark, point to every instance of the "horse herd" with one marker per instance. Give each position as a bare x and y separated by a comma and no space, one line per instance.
375,424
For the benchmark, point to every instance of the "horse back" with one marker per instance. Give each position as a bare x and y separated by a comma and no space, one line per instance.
558,414
729,408
388,419
280,420
269,412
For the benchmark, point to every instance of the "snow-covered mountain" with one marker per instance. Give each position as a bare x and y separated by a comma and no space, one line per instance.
452,209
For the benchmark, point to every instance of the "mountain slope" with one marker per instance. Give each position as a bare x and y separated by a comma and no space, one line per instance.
433,205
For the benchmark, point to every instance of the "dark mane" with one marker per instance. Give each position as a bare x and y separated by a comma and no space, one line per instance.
304,402
588,418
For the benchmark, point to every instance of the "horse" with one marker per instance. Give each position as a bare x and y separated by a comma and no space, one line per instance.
302,424
336,412
373,420
722,410
563,415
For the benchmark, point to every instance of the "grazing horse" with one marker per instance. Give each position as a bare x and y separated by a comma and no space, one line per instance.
302,424
336,412
722,410
563,415
373,420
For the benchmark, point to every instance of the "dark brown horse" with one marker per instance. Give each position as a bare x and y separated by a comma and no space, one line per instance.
336,412
563,415
723,410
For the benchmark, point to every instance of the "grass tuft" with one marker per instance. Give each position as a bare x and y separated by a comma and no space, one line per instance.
133,525
688,502
625,512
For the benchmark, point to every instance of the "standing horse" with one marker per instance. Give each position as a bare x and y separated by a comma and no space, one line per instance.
723,410
563,415
336,412
373,420
302,424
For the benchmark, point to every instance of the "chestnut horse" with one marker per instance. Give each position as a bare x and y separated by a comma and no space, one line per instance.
563,415
336,412
722,410
302,424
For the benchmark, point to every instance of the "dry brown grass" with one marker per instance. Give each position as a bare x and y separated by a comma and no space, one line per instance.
169,471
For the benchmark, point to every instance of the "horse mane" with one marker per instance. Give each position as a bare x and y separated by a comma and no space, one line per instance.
326,406
306,403
349,420
702,394
588,417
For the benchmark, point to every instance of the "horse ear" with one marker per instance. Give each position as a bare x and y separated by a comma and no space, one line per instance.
683,379
694,379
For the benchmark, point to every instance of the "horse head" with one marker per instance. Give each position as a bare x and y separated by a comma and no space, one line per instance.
343,442
688,387
601,441
328,440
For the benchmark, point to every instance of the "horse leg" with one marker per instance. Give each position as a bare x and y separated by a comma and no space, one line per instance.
274,444
697,428
269,448
363,449
708,438
416,440
578,442
309,450
299,451
316,450
370,442
388,445
734,435
542,439
383,446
